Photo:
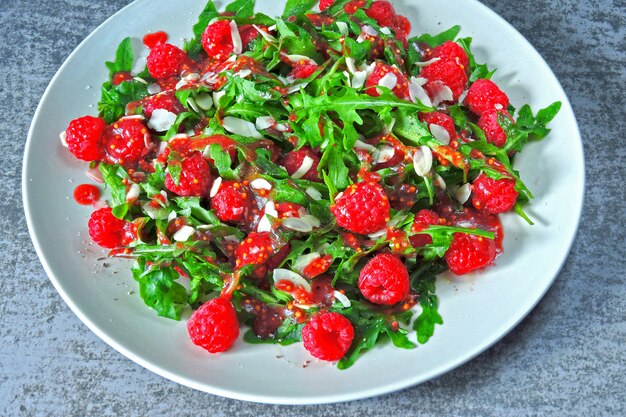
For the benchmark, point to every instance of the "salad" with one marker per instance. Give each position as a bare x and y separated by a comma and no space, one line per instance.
303,177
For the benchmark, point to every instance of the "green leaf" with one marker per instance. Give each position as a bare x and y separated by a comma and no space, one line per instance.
241,8
124,58
298,7
221,160
113,176
191,207
159,289
436,40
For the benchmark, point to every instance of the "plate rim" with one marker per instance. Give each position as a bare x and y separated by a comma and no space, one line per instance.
258,398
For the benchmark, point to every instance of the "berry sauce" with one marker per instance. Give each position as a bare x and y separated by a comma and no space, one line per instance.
86,194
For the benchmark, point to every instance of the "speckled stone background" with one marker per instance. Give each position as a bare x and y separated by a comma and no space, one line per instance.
568,357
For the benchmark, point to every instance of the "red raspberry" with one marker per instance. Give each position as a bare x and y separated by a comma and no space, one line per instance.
214,326
107,230
166,101
384,280
126,141
325,4
195,178
328,336
288,210
255,249
292,161
470,252
485,95
441,119
226,143
446,72
401,89
363,208
248,33
383,12
303,70
494,196
422,220
450,51
494,133
83,137
230,202
404,26
166,60
217,40
352,6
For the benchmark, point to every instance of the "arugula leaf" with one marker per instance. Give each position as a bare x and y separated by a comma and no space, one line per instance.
288,332
124,59
191,207
114,176
528,127
436,40
477,71
297,7
241,8
159,289
221,161
423,283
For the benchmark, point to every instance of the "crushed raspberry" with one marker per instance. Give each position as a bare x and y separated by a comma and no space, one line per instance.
450,51
470,252
383,13
255,249
381,69
217,40
230,202
165,101
485,95
352,6
489,123
384,280
328,336
84,136
362,208
119,77
292,161
288,210
226,143
166,60
126,141
195,177
325,4
107,230
404,26
441,119
153,39
317,266
248,33
214,326
423,219
494,196
304,70
446,72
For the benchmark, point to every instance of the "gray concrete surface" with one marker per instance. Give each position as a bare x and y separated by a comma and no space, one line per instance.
567,358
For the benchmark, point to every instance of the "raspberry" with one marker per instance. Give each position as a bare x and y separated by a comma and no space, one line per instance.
225,143
165,60
384,280
214,326
83,137
352,6
448,73
195,177
126,141
303,70
292,161
441,119
383,12
166,101
255,249
248,33
230,202
217,40
325,4
450,51
401,88
489,123
485,95
494,196
404,26
469,252
422,220
328,336
288,210
363,208
107,230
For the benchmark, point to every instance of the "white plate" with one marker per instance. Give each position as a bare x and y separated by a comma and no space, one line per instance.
478,310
